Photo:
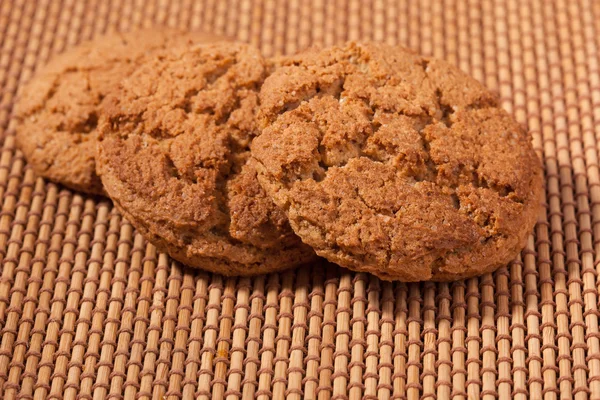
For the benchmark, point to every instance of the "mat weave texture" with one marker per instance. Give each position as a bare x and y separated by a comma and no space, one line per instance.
89,310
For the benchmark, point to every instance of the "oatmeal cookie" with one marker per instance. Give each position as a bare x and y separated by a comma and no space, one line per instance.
396,164
58,110
173,150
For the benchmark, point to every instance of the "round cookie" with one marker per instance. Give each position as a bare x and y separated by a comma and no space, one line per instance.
173,147
395,164
58,110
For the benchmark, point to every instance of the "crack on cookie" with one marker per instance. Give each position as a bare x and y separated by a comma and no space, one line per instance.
158,133
187,105
116,122
170,167
480,181
82,127
447,110
455,201
219,72
432,171
334,90
381,211
211,78
322,230
335,247
227,116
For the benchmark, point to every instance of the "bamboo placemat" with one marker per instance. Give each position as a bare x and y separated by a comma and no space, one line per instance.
89,310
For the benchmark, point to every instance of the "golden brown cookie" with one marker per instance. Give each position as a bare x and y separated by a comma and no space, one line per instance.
395,164
172,154
58,110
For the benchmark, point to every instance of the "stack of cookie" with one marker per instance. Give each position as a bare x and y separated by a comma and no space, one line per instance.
369,155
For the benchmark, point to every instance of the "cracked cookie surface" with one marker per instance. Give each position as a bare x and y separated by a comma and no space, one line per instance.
395,164
58,110
172,153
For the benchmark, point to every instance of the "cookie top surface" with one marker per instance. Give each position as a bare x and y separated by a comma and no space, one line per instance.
172,153
395,164
58,110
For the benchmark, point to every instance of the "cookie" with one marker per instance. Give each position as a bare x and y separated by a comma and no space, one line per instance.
396,164
173,147
58,110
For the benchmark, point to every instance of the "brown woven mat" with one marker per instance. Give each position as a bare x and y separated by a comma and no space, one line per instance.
89,310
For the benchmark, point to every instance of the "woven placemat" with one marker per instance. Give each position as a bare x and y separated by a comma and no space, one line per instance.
89,310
